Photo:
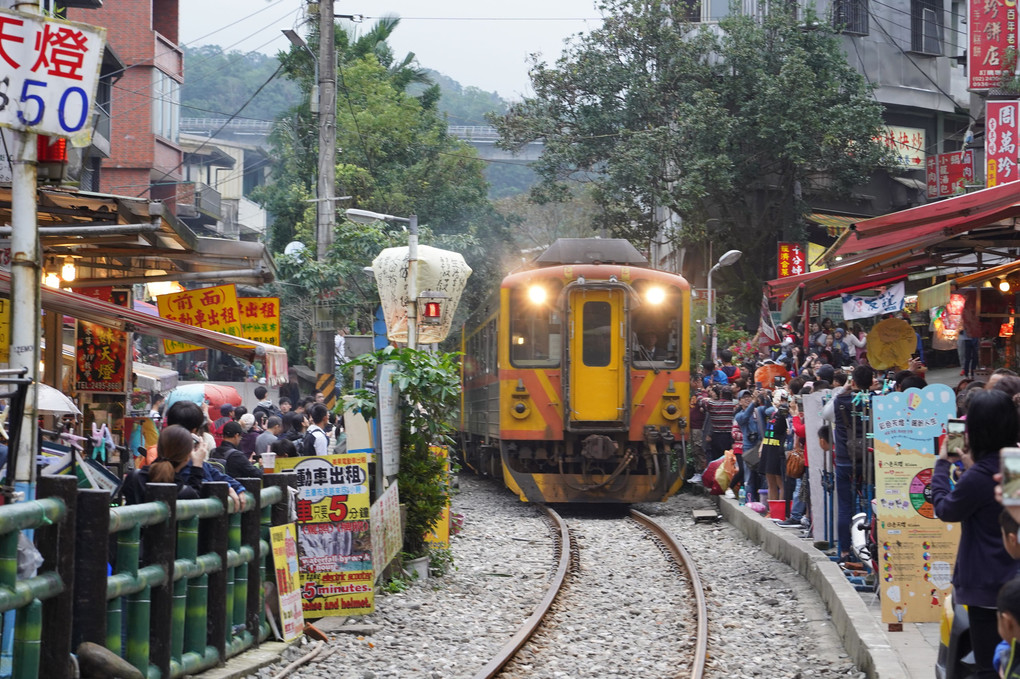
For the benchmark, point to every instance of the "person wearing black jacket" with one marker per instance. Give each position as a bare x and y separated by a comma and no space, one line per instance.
171,466
235,462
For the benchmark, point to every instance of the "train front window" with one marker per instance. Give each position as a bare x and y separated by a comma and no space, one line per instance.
656,339
536,331
597,326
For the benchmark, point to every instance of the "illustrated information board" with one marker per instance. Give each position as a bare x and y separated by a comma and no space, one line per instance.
288,580
386,537
334,548
916,550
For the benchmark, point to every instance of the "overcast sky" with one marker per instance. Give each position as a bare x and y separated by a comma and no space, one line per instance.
444,34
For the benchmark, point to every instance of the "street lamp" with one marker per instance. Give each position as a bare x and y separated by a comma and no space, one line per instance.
368,217
300,43
728,259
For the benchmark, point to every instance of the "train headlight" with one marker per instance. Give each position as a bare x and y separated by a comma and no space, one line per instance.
537,294
655,295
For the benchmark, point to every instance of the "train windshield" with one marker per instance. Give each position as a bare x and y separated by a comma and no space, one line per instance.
655,326
536,330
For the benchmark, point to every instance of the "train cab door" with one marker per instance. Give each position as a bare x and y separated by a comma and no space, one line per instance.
597,371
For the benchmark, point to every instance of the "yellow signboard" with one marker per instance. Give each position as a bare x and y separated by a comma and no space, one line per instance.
260,319
334,548
212,308
288,580
5,331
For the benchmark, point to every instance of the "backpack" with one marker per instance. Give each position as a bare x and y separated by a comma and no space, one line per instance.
307,447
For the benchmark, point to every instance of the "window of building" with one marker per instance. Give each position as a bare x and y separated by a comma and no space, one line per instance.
926,27
704,11
166,105
850,16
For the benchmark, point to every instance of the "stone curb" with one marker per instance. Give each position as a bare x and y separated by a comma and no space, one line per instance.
249,662
864,639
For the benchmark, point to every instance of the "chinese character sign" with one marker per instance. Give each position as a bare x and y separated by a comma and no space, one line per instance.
212,308
101,353
907,143
50,69
916,550
334,548
992,33
949,173
1000,142
887,301
791,260
288,580
260,319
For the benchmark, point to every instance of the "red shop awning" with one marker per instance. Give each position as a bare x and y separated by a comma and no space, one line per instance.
122,318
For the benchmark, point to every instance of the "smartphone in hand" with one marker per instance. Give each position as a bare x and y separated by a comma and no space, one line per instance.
1010,461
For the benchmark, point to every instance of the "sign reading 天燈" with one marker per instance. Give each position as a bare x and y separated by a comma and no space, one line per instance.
334,548
212,308
916,550
101,354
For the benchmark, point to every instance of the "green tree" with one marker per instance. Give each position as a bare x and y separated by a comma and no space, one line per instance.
219,83
729,127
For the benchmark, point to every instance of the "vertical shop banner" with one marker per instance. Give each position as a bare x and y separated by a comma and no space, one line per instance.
386,537
212,308
1000,142
916,550
260,319
388,418
949,173
101,353
992,31
5,331
439,537
334,542
791,260
288,580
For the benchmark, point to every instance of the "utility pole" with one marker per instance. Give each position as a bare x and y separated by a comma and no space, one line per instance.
326,188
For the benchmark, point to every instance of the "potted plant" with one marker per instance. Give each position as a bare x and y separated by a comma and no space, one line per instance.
429,388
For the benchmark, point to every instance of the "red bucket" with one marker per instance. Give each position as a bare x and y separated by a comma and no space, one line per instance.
777,509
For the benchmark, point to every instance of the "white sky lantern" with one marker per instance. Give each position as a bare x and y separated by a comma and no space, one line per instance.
439,270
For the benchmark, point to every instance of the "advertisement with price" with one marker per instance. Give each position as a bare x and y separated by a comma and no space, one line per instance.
334,542
49,75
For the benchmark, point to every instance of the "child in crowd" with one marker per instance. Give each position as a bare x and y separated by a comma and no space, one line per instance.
1007,660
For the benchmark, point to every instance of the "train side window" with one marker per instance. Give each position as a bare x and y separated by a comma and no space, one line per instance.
656,339
597,326
536,332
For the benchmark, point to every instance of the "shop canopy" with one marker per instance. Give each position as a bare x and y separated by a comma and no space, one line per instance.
122,318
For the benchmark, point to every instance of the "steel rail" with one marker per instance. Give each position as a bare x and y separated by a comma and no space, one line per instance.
684,559
530,625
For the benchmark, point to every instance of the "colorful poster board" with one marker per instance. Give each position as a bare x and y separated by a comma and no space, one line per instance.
288,580
916,551
101,353
386,535
212,308
260,319
334,548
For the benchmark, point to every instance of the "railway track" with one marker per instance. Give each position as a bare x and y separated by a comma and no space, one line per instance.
573,559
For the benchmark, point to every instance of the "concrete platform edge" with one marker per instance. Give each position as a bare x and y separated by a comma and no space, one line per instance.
864,639
249,662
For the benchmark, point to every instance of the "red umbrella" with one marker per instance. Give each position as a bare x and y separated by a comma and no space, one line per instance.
215,394
767,374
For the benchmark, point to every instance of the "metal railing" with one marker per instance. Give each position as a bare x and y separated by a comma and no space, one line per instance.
171,586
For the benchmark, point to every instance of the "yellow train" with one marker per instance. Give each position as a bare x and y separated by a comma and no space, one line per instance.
576,386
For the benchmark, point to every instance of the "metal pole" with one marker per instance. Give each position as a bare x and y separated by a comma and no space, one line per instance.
412,282
711,313
326,187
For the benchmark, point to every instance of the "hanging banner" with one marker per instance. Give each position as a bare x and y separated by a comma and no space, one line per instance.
991,32
5,331
916,551
886,302
949,173
791,260
260,319
1001,142
101,354
388,418
906,143
288,580
334,550
212,308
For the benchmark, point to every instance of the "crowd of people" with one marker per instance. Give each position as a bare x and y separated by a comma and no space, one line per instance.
193,447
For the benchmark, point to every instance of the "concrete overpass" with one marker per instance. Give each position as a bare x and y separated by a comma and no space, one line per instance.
484,137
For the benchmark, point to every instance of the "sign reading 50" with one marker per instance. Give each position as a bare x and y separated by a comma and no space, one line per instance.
50,69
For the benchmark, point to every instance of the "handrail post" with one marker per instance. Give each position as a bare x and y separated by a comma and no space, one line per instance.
90,558
159,544
250,536
56,543
212,538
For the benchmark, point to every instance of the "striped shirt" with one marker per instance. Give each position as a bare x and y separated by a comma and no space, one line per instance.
720,413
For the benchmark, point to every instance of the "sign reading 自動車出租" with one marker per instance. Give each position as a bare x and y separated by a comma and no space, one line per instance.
212,308
50,71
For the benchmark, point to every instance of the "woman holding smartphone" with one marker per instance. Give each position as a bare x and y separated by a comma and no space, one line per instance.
982,563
